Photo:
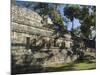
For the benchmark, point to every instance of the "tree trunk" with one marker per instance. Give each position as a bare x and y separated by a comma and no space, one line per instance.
72,24
72,33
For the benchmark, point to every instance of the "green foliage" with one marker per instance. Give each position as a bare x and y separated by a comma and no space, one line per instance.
84,12
88,20
56,17
51,10
71,11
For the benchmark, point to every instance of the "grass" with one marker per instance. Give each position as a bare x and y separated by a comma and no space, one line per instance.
83,66
73,66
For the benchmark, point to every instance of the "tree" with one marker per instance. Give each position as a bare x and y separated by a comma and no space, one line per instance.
86,16
88,20
52,11
71,12
42,8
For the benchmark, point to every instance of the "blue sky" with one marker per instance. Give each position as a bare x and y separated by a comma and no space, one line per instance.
69,24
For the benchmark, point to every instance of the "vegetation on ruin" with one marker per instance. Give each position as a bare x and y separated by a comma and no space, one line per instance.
81,44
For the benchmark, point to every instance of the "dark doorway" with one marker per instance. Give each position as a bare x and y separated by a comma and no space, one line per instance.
27,42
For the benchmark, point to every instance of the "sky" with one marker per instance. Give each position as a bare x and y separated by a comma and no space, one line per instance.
69,24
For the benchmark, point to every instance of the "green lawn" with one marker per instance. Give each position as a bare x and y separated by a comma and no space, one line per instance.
83,66
73,66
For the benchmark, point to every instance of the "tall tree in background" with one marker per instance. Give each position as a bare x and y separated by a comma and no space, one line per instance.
71,12
86,16
88,21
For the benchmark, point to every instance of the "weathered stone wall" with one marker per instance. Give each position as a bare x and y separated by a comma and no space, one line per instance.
25,16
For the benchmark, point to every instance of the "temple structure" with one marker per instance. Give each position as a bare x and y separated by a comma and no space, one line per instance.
30,36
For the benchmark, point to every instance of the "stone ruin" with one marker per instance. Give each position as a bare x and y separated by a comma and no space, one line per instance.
34,43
